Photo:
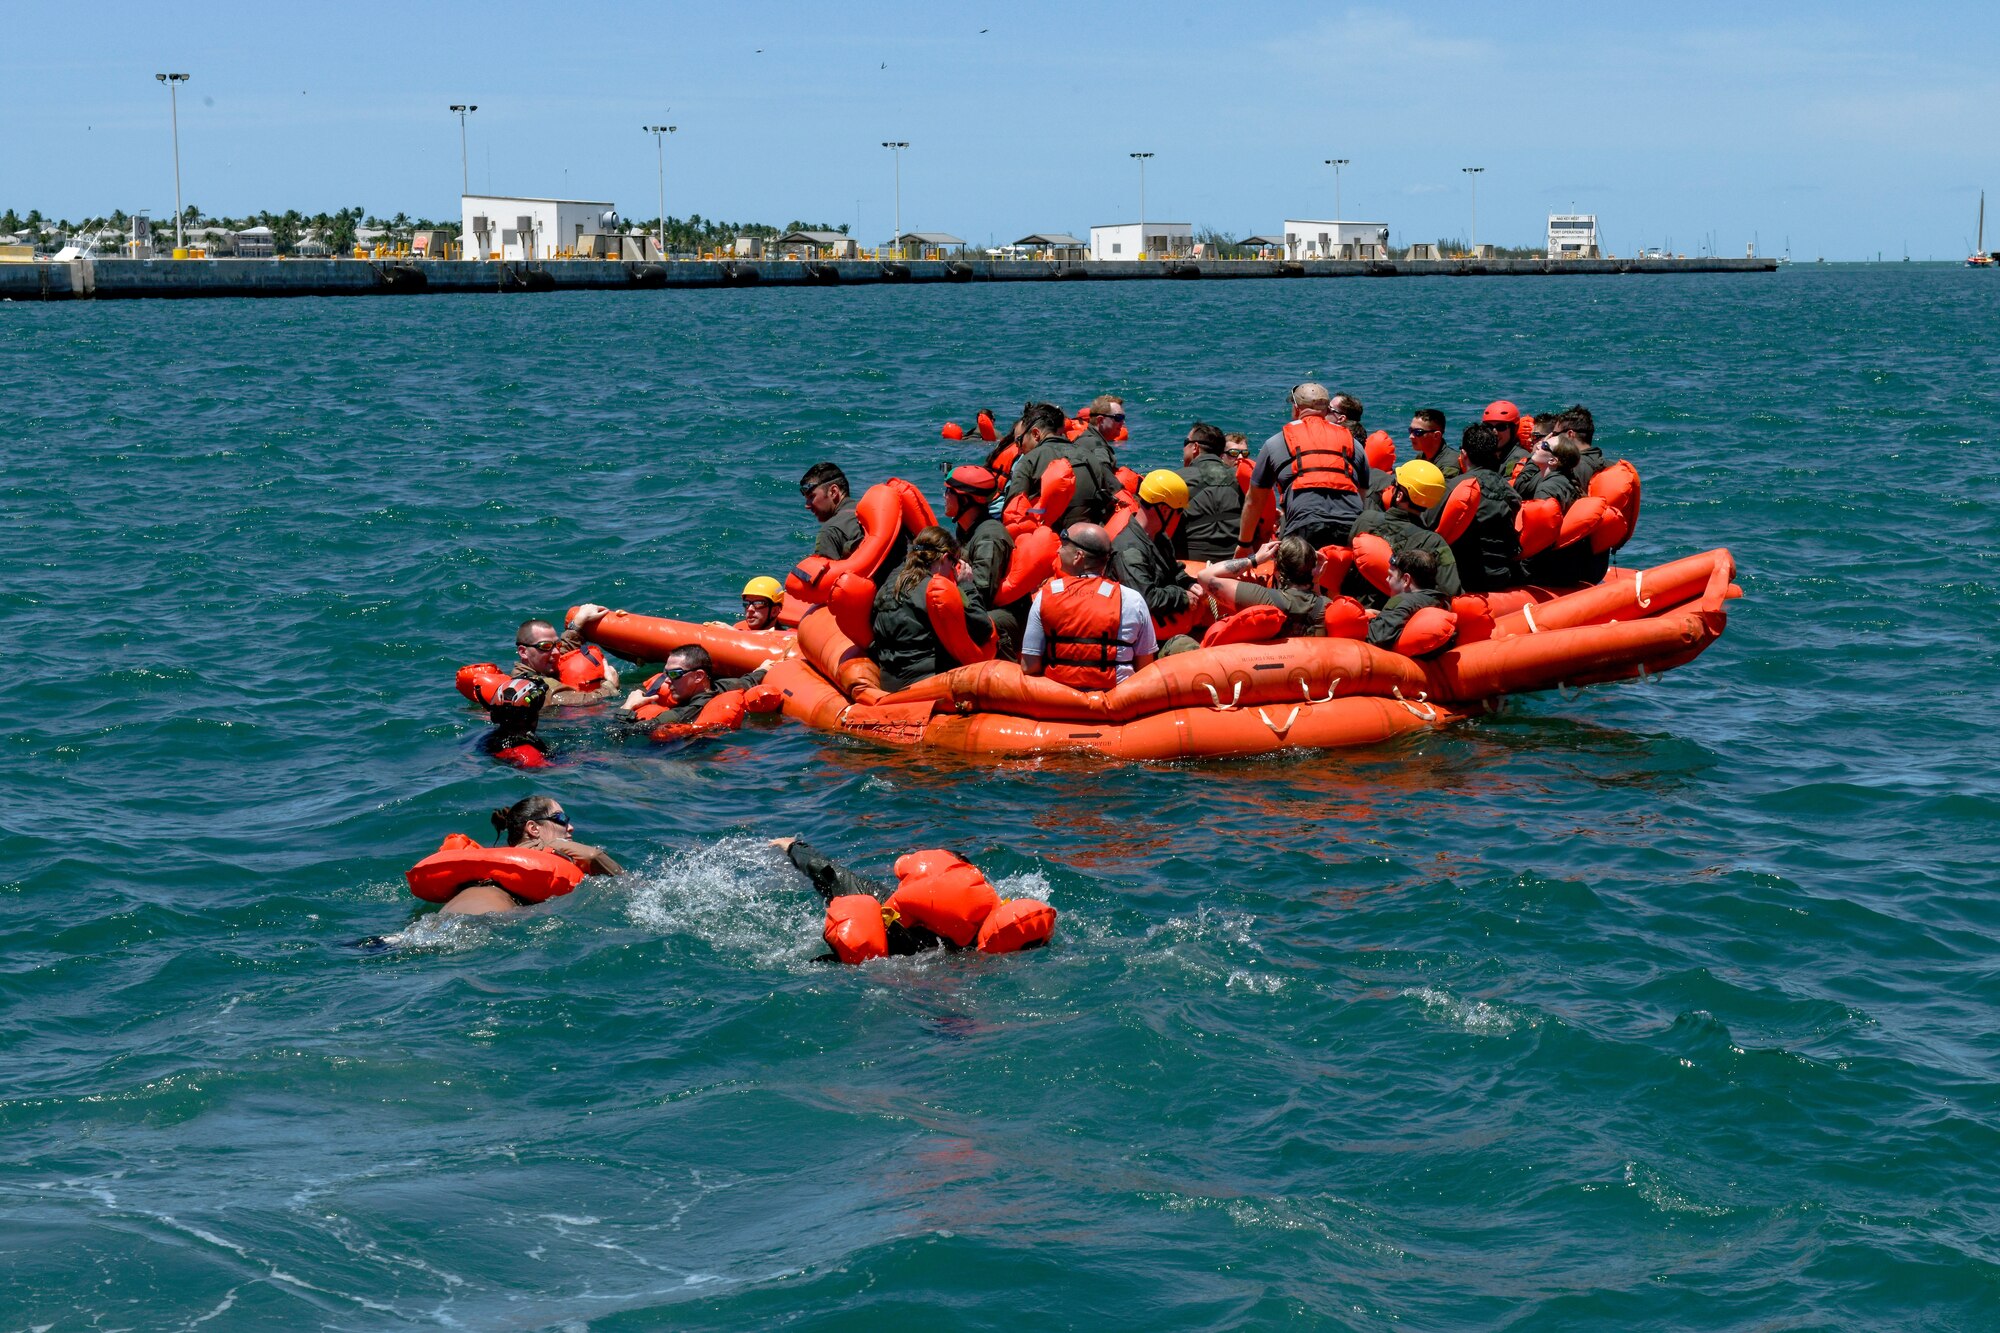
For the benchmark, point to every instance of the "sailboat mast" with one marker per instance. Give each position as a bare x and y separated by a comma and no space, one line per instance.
1981,248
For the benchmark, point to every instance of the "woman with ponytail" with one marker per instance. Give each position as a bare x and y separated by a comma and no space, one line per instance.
919,600
535,824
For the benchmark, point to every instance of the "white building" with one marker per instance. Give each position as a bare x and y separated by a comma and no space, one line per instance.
1124,240
1573,236
1312,238
502,227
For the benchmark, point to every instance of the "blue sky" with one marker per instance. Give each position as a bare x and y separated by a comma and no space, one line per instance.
1848,128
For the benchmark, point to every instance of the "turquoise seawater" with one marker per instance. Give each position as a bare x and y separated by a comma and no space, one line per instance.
1661,1006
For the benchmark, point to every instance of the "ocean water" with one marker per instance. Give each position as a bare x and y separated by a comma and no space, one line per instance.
1659,1006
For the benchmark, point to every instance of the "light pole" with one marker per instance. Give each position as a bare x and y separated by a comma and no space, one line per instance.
658,131
1336,163
1474,173
463,109
174,100
896,147
1140,158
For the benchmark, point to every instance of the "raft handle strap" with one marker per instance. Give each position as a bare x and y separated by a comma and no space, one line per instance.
1638,590
1215,700
1305,688
1280,731
1427,712
1528,610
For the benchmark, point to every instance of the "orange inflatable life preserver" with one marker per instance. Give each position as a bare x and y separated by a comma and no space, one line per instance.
722,713
1460,508
945,605
983,423
1618,487
1345,618
1253,624
951,430
1081,620
1030,566
881,513
852,601
1428,630
763,699
1003,462
1372,557
581,668
1054,493
1537,524
854,929
1475,617
951,899
1335,561
1322,456
1581,520
478,680
526,872
523,755
1381,449
1016,924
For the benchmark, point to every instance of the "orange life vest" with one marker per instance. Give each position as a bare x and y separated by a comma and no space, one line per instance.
1081,620
1322,456
581,668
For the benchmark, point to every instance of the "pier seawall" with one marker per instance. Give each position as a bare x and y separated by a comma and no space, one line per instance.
107,279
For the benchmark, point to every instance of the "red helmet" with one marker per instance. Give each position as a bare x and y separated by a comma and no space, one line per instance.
1500,411
973,481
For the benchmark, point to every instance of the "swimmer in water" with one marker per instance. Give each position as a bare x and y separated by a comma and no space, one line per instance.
831,881
533,824
572,671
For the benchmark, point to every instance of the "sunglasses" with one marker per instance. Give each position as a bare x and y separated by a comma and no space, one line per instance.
545,646
675,673
1415,431
557,818
1112,416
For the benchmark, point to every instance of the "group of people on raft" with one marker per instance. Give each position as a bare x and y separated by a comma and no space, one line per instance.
1322,524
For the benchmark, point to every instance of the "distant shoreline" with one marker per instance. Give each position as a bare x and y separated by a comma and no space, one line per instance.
108,279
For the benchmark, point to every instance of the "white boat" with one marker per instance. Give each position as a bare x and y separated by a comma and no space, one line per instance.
1979,258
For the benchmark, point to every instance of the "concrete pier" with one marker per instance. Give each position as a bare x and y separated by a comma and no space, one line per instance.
107,279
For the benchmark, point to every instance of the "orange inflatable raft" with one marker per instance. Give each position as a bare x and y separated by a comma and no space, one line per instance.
1241,698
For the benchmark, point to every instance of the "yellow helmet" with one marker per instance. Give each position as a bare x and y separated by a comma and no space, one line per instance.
1423,480
1164,487
766,587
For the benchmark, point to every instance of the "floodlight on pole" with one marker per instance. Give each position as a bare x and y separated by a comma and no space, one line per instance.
1336,163
659,149
463,109
896,147
1140,158
174,101
1474,173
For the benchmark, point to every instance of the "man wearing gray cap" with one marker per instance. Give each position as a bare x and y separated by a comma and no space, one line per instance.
1083,629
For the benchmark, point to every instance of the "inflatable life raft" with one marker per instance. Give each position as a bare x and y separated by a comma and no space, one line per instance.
1255,698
